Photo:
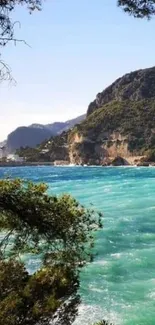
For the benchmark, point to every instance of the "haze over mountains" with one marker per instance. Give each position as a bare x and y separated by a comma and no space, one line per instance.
31,136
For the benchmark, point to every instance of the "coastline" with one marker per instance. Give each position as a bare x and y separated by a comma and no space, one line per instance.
25,164
52,164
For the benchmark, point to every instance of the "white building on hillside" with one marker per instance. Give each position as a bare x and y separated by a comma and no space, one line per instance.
14,157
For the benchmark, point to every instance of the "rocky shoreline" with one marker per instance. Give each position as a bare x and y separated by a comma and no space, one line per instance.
24,164
116,162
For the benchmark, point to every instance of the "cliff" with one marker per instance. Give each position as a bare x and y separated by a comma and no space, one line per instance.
133,86
119,123
125,129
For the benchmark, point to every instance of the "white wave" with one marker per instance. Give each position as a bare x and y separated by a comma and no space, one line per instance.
116,255
152,281
107,189
101,262
151,295
89,314
150,208
92,288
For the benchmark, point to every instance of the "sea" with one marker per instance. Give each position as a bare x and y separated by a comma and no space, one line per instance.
119,285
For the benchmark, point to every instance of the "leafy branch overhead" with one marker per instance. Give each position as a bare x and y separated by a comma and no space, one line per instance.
138,8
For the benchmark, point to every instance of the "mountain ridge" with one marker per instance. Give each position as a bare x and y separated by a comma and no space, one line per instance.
120,122
131,86
34,134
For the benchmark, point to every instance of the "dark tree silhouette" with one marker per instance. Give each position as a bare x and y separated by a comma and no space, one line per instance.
138,8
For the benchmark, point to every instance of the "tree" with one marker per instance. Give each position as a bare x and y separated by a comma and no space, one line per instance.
35,299
7,28
31,216
56,230
138,8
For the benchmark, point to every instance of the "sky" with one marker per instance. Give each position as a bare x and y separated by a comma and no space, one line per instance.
76,49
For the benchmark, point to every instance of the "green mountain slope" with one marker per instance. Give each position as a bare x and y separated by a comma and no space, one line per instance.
120,122
133,120
133,86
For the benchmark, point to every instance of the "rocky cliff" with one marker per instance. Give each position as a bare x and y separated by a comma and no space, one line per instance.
133,86
125,129
120,122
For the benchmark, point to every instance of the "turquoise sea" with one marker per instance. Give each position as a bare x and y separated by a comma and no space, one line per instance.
120,284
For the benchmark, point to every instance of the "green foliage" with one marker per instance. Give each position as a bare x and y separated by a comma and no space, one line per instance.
126,107
32,217
150,155
34,299
33,154
134,120
55,145
138,8
59,232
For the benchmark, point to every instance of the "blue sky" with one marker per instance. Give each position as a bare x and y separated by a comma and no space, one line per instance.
77,49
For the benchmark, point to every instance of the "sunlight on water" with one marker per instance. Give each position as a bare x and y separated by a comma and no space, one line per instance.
120,284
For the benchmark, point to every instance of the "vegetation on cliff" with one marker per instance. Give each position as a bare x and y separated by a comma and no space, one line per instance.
134,86
135,120
122,115
50,150
33,154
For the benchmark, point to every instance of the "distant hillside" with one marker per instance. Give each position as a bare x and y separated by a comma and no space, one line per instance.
119,123
59,127
26,136
34,134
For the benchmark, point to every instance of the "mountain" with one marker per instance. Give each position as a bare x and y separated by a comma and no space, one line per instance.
133,86
34,134
120,123
26,136
59,127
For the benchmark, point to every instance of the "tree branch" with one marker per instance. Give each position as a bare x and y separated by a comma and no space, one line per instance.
5,73
15,40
